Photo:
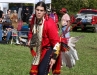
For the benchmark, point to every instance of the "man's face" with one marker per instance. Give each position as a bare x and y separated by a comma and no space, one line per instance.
40,12
9,11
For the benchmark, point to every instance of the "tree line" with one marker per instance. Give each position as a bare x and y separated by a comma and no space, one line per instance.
73,6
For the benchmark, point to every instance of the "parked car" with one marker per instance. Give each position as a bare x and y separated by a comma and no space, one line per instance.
84,19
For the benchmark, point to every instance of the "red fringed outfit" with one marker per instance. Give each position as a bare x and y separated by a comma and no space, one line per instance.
49,38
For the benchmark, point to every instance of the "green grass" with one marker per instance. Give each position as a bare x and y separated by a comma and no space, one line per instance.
16,60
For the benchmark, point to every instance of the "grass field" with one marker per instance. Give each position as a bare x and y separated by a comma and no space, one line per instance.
16,60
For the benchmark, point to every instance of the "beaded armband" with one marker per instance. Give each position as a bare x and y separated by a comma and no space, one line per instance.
56,50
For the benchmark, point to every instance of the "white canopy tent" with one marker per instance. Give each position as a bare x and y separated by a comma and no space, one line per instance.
24,1
4,4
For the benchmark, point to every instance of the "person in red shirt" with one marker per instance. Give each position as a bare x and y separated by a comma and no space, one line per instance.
47,54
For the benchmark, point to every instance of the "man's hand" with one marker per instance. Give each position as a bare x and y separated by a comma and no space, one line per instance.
52,62
28,43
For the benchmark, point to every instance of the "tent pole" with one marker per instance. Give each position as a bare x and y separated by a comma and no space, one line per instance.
43,0
34,8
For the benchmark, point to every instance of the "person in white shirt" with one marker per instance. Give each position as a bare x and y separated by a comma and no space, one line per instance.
65,22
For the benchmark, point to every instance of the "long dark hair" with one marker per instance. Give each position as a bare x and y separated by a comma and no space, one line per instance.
42,4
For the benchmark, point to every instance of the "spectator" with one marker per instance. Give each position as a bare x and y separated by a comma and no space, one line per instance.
14,19
0,32
65,22
54,16
1,15
26,15
47,54
7,16
8,32
7,19
22,33
5,30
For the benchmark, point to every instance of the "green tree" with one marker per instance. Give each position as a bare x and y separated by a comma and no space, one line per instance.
73,6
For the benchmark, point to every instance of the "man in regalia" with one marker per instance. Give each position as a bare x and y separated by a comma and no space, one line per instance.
47,53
